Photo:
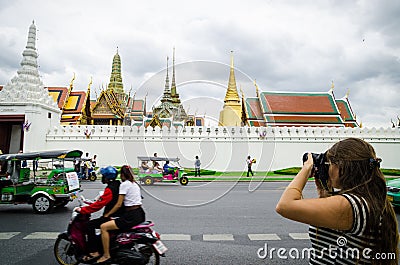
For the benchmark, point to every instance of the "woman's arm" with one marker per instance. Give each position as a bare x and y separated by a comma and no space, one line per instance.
116,206
333,212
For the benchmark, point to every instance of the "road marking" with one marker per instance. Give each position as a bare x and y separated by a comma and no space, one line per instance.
299,236
265,237
177,237
170,237
42,235
8,235
218,237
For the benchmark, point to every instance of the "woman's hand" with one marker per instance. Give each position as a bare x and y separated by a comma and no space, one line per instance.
308,164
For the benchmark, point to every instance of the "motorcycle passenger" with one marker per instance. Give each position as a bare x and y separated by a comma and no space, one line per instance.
129,197
107,201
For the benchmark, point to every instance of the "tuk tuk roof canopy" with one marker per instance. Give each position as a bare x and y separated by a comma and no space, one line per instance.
61,154
156,158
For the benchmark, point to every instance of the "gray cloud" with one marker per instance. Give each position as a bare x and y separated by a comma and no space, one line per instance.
285,45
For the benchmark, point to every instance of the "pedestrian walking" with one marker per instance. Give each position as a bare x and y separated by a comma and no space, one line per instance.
197,164
250,162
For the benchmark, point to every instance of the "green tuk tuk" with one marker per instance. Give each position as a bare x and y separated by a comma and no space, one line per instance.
42,179
148,174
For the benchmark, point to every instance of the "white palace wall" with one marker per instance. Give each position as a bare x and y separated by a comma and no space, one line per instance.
219,148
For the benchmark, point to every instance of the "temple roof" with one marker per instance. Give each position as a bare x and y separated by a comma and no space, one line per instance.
298,103
59,95
346,112
108,104
72,106
300,109
254,112
253,109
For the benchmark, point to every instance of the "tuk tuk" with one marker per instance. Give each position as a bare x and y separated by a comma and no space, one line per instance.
153,172
42,179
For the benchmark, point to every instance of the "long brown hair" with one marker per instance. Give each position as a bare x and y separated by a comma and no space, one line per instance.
359,174
126,170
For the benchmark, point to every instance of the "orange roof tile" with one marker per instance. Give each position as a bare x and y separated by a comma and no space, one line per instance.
59,95
253,109
298,103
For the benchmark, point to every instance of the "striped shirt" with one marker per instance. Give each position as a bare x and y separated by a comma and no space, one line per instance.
344,247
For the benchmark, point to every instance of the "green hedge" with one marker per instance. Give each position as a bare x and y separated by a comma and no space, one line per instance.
295,170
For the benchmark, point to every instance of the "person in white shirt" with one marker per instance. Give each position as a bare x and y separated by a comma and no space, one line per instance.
131,199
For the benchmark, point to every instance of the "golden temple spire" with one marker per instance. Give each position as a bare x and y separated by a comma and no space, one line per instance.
232,111
231,93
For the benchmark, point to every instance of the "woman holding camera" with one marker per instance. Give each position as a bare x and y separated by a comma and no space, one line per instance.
351,222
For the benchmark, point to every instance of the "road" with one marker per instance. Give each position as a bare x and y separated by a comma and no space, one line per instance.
202,223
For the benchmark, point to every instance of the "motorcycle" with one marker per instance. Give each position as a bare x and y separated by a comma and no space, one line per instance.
84,169
140,245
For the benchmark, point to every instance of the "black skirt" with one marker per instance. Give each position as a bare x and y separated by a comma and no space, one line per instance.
130,219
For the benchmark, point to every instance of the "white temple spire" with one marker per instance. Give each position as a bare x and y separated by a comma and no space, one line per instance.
26,86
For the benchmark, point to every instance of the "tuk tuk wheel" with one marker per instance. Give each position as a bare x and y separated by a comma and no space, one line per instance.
92,176
148,180
184,181
42,204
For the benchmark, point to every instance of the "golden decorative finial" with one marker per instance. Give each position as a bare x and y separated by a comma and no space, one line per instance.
257,90
232,59
332,87
347,93
90,83
71,84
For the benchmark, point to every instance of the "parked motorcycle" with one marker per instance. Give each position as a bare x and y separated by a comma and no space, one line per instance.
140,245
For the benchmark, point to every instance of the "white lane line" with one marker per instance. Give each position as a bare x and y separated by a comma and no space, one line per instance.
8,235
299,236
265,237
177,237
218,237
42,235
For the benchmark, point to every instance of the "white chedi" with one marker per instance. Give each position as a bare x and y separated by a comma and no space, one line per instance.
26,86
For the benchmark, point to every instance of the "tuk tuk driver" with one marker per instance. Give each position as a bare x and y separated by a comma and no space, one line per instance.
167,169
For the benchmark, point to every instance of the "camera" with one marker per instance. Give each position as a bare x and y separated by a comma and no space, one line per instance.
320,168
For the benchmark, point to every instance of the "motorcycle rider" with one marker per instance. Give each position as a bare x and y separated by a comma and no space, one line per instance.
107,201
129,197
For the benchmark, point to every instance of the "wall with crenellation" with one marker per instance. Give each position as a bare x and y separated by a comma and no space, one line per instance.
219,148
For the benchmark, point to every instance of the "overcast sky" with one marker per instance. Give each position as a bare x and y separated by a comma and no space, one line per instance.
285,45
